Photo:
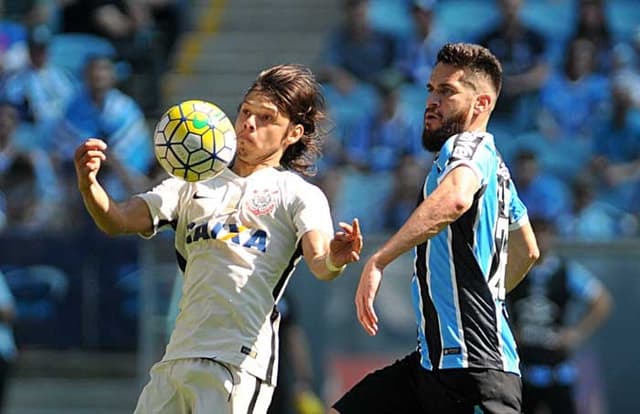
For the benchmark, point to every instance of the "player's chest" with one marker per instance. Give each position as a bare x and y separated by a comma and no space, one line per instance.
249,204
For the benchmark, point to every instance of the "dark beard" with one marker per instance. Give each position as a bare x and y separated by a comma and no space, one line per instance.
433,140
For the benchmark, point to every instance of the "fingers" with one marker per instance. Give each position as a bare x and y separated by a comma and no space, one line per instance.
90,149
366,315
365,295
91,144
357,236
351,232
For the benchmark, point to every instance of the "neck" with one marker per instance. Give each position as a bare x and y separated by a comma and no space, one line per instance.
98,97
478,124
244,169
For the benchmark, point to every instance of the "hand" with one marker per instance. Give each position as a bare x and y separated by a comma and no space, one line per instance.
346,244
367,289
87,160
569,339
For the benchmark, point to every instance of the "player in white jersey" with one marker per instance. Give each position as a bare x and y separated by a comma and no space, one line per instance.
238,239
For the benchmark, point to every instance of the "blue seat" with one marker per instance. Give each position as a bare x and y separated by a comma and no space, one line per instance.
38,291
71,50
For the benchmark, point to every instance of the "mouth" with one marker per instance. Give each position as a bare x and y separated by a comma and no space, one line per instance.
430,116
242,137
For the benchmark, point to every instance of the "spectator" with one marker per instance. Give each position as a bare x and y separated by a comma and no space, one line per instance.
404,194
13,48
542,193
8,349
128,26
356,51
419,55
592,24
540,309
101,110
625,72
574,100
592,219
28,183
522,51
41,90
32,201
377,143
616,162
31,13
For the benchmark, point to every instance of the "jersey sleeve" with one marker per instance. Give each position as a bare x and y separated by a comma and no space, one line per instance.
163,202
518,211
467,149
311,211
581,283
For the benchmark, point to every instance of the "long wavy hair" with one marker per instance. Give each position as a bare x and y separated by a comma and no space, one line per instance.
294,90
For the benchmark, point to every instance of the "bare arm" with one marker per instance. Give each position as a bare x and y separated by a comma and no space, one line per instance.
523,253
130,216
597,312
450,200
326,258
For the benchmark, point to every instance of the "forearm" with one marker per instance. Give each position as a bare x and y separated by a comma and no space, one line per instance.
523,253
104,211
597,313
323,268
517,269
429,219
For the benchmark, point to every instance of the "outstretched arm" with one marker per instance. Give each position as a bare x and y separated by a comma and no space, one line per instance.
450,200
326,259
130,216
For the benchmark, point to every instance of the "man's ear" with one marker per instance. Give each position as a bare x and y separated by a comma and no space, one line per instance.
484,102
295,133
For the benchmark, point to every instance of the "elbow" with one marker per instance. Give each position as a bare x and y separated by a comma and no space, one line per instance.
111,231
606,304
460,204
534,254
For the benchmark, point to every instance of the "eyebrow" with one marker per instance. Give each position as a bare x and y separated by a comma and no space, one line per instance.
263,109
441,85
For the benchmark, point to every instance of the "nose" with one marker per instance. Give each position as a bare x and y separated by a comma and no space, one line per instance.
433,100
249,123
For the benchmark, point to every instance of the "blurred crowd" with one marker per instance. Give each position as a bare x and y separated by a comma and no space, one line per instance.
567,121
70,69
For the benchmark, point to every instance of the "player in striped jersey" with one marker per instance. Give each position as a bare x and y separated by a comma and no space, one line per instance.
466,359
238,239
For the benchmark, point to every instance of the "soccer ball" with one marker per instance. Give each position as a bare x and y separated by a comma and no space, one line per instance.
194,141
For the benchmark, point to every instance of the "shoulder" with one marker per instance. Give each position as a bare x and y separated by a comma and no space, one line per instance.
119,101
467,145
294,180
297,187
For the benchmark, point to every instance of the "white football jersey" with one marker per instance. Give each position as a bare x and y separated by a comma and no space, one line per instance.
237,241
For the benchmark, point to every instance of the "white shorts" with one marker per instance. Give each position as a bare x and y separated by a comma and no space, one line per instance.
203,386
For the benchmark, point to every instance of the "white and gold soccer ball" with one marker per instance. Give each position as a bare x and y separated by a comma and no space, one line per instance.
194,140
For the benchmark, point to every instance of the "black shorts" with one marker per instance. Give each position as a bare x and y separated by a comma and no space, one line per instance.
406,387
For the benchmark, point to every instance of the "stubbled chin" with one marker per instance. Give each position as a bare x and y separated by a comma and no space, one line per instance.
431,125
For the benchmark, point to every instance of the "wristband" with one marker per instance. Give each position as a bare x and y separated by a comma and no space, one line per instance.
331,266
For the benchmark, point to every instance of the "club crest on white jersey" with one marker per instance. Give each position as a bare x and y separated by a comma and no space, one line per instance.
262,202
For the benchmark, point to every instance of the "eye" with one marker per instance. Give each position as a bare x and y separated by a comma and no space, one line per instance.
266,118
447,91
